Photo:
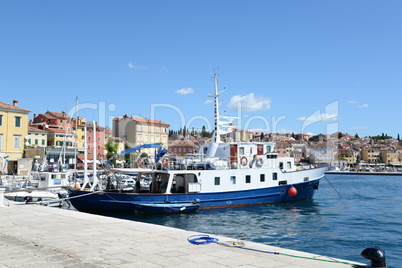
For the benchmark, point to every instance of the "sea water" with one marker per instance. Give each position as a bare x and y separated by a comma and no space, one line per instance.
348,214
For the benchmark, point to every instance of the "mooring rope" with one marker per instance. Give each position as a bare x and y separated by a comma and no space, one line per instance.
332,185
203,239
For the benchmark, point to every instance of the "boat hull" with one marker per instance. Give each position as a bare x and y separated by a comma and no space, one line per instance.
125,202
165,207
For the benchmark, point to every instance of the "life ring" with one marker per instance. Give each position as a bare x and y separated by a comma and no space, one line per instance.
244,161
139,162
165,162
260,162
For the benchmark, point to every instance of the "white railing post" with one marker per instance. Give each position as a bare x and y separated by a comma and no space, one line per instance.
2,190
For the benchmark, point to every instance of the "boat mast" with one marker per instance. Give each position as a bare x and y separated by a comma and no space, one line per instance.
86,179
76,134
216,138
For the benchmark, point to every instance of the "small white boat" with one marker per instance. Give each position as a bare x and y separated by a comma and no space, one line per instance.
49,188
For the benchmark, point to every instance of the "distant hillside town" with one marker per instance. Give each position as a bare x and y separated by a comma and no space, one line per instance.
56,137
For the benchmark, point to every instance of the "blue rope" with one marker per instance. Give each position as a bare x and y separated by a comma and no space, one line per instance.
202,239
206,239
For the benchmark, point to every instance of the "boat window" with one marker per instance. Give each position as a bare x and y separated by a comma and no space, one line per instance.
268,149
281,165
217,180
241,151
262,177
274,176
248,178
282,182
233,179
159,183
289,165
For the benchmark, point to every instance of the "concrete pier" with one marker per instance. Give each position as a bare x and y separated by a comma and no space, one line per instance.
37,236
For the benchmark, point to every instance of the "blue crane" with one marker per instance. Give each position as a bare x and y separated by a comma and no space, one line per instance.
158,155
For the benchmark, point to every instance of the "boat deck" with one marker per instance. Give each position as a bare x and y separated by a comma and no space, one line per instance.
40,236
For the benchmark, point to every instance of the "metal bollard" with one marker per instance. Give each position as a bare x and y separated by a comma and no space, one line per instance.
376,255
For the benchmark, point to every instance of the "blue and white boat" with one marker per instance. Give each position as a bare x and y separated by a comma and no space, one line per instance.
226,174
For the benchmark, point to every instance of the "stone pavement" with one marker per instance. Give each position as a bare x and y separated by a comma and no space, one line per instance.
37,236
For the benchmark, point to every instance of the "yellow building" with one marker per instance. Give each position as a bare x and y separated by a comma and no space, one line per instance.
36,137
80,133
389,155
13,130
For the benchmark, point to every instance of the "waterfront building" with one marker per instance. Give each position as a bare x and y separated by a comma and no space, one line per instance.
238,135
36,137
61,139
13,131
182,147
54,120
99,135
348,155
371,154
389,155
138,131
323,153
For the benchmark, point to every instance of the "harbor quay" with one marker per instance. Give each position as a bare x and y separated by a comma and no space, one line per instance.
39,236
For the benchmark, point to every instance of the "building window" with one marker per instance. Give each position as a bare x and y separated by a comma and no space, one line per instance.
288,165
1,142
184,150
248,178
217,180
43,142
17,121
36,142
61,121
17,141
262,177
1,119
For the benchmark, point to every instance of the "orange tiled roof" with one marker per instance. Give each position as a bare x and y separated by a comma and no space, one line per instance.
58,130
143,120
4,105
58,115
35,129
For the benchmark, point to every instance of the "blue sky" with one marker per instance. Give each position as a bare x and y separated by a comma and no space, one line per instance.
301,66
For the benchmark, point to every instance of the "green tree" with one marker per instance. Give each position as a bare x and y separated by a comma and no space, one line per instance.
205,133
126,156
111,148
